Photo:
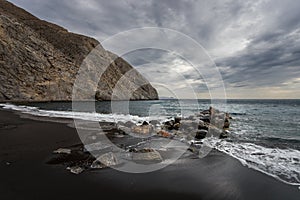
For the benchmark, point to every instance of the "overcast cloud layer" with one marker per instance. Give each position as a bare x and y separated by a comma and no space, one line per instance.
255,44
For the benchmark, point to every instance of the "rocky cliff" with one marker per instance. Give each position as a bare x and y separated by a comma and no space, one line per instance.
39,61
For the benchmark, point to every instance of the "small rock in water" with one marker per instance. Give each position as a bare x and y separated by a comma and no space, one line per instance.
62,151
75,169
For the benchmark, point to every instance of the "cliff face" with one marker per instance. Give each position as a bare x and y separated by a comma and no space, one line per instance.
39,61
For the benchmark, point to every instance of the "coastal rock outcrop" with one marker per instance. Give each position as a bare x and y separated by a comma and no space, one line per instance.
39,61
208,123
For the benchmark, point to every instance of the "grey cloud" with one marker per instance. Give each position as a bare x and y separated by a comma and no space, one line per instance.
255,43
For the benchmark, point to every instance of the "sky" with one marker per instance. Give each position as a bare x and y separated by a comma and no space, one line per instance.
253,44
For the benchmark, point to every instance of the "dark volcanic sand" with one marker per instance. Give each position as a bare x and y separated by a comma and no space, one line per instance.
26,145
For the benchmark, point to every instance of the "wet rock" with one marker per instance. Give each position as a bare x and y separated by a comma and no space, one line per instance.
75,169
62,151
205,112
105,160
147,155
143,129
203,125
164,134
226,123
201,134
205,118
145,123
224,134
176,126
177,120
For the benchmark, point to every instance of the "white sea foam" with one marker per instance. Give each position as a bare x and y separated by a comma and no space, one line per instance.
282,164
99,117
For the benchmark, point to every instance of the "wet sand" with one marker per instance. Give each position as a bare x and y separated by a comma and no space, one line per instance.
26,145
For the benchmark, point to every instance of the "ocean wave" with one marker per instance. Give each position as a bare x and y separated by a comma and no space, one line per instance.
282,164
98,117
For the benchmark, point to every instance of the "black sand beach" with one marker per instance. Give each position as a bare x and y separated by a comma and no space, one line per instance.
26,145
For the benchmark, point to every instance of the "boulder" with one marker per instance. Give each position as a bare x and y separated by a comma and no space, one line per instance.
143,129
105,160
147,155
145,123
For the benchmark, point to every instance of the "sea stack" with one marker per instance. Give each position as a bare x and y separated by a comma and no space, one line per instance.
39,61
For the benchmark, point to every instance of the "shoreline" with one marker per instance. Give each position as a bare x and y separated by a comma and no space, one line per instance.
27,144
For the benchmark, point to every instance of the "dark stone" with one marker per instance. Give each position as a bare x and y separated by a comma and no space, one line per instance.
201,134
205,118
176,126
224,135
177,120
226,124
169,125
145,123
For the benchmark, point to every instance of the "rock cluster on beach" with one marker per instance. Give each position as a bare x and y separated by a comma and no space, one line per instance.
98,153
40,60
210,122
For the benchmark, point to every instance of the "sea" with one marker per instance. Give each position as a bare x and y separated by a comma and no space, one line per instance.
264,134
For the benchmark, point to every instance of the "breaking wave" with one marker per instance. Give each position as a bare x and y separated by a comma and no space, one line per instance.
99,117
282,164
